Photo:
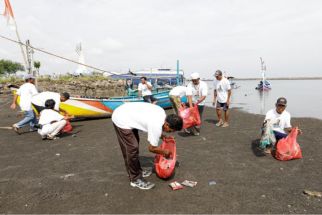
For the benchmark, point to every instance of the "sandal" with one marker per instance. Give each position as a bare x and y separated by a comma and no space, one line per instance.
220,123
52,137
225,125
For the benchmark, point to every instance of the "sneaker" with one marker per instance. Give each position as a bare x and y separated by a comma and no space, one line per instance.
220,123
33,129
16,129
225,125
186,131
196,133
142,184
146,173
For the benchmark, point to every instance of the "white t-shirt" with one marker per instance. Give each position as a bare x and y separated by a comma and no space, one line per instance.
48,115
222,88
279,121
178,91
197,91
142,116
41,98
26,91
144,89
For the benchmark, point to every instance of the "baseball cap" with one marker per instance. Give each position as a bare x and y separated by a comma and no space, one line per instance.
281,101
29,76
218,73
195,76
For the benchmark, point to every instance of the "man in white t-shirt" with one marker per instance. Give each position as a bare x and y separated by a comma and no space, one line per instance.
145,90
26,91
280,119
51,121
175,96
197,91
131,117
39,100
222,94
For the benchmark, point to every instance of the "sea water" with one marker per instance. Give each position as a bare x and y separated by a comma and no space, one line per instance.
304,97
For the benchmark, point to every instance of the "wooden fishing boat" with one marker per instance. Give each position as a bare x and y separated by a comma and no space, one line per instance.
98,108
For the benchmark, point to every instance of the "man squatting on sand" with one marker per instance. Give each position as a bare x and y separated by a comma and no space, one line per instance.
148,118
280,121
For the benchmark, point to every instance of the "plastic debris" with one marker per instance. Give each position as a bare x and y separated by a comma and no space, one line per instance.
57,154
313,193
212,182
74,135
67,176
6,127
106,194
189,183
175,185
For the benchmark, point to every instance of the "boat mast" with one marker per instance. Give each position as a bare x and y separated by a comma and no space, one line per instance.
263,68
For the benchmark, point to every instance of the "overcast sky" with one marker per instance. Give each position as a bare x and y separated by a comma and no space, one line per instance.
205,35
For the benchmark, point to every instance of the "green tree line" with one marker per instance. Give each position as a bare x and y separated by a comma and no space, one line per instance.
9,67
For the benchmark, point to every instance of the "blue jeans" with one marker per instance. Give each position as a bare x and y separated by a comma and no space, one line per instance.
279,135
30,118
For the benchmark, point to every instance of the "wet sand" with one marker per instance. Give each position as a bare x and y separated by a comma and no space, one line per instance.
86,173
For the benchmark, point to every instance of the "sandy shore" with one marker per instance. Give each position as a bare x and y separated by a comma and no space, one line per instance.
86,174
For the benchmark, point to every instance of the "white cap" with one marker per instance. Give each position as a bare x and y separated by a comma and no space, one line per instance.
29,76
195,76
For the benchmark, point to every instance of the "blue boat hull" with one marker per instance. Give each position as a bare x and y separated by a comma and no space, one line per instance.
163,100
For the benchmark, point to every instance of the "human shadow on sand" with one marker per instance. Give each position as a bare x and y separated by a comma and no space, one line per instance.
256,150
212,121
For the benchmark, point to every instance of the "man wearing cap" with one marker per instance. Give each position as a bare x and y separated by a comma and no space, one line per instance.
280,120
222,94
197,91
39,100
26,91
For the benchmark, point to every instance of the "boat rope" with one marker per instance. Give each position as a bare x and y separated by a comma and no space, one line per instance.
58,56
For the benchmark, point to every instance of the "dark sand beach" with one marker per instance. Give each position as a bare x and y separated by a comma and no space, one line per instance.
85,173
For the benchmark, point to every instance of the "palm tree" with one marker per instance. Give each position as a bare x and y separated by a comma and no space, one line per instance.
37,66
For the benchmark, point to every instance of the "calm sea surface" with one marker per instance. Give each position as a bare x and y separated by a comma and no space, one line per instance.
304,97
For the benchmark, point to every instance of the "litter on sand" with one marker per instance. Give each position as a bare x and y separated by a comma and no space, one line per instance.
189,183
212,182
312,193
175,185
67,176
6,127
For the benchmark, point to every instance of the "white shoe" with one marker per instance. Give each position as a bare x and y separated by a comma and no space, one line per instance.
142,184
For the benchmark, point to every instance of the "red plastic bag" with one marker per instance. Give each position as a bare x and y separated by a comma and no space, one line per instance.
165,167
288,148
190,116
68,127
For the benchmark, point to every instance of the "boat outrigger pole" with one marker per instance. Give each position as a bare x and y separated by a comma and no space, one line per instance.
178,81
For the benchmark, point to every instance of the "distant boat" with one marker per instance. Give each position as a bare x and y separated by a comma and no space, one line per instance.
263,84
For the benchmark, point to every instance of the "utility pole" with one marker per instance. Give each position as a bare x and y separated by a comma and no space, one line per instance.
30,59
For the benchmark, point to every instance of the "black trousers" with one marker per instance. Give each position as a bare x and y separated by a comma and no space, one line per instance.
129,142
